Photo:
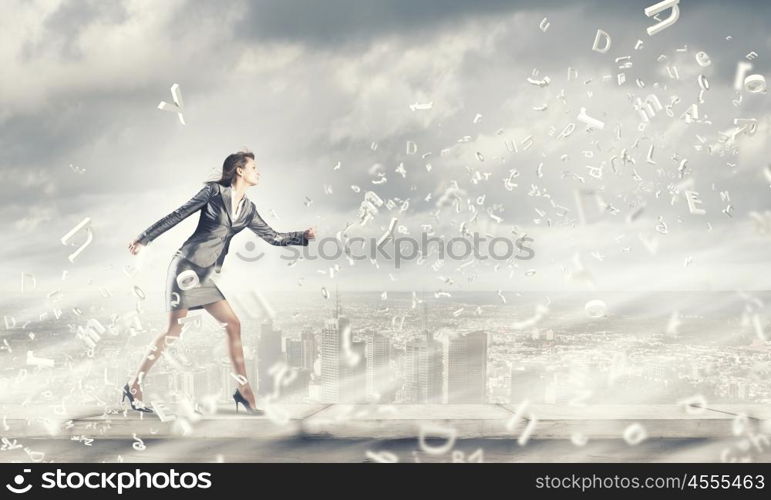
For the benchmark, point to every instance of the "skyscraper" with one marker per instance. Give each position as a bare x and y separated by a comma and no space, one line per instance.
465,368
308,350
294,354
251,361
423,366
423,370
354,374
343,361
332,355
202,381
379,376
184,383
227,384
268,354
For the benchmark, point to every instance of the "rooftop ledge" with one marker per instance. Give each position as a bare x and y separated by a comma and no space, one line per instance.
397,421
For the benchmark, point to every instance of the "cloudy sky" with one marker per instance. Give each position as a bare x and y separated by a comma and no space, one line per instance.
309,85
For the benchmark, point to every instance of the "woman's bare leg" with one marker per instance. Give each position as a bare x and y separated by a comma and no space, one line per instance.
155,349
223,313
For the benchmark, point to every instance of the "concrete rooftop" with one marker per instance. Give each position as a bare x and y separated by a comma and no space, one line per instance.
341,421
350,433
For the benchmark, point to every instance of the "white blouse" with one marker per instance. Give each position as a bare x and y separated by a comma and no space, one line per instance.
238,208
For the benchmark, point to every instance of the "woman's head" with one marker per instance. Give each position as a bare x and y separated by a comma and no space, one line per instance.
239,164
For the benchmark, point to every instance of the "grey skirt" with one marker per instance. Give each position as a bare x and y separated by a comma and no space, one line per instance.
189,286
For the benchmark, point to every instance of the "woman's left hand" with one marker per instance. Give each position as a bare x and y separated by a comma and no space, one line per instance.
310,233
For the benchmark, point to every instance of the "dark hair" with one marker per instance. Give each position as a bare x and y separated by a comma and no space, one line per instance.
231,163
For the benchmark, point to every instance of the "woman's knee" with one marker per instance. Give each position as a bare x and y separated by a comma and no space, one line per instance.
174,320
169,337
233,326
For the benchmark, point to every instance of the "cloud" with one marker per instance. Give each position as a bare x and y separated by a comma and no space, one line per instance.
308,84
62,28
352,22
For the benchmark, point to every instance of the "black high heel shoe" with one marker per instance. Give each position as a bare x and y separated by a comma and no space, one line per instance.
238,398
127,393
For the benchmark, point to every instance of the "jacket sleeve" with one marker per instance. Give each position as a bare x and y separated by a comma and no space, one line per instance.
193,205
268,234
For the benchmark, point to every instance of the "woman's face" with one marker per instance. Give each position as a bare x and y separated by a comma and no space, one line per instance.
250,173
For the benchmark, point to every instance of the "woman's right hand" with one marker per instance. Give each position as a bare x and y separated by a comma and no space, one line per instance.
135,247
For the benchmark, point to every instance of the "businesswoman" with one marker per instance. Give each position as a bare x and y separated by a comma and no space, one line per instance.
225,211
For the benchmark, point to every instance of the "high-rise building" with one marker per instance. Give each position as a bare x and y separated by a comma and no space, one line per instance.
184,383
332,355
423,370
399,361
294,354
353,386
201,382
343,361
268,354
736,390
227,383
422,366
379,375
309,353
465,368
251,362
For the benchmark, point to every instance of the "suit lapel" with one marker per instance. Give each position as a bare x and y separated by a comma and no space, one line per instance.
244,207
227,201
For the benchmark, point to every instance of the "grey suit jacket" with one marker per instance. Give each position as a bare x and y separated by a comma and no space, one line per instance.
210,242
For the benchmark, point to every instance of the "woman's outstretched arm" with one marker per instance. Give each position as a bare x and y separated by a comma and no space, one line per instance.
193,205
264,231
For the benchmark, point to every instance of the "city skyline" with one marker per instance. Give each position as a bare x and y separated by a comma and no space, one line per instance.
674,356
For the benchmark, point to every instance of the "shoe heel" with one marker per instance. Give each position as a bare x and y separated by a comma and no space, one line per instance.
127,394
